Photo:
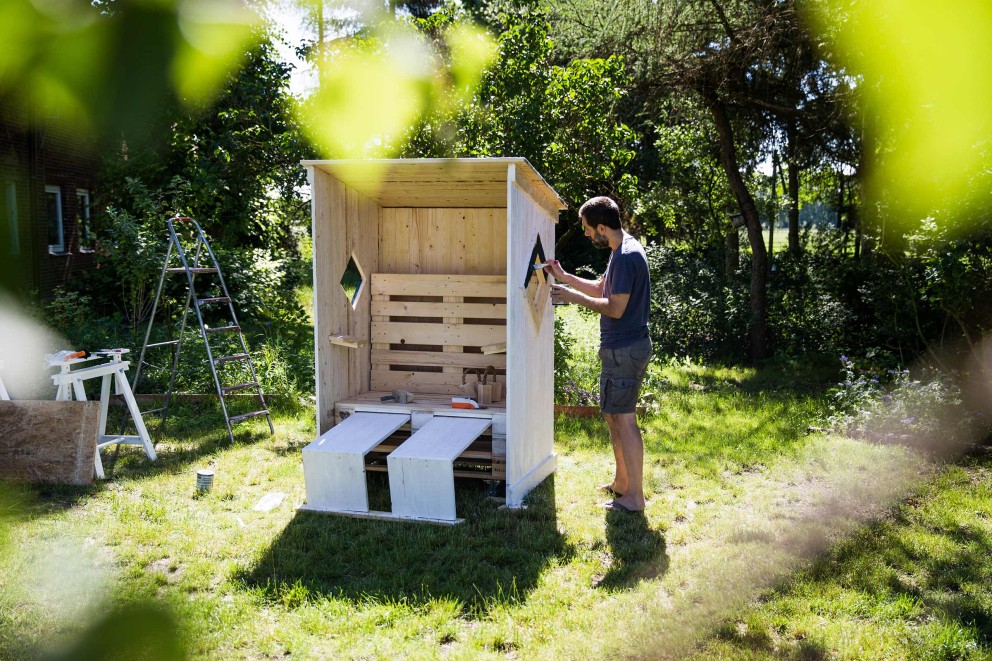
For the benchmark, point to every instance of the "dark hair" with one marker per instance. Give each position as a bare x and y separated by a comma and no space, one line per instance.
601,211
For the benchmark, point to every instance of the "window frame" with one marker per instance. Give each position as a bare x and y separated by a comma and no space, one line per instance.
56,248
83,228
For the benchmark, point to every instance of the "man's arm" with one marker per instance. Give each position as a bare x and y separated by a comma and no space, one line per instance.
612,306
592,288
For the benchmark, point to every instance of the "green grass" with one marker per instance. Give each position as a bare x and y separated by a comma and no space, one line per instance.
759,540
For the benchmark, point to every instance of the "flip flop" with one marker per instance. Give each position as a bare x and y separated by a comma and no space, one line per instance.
606,488
616,506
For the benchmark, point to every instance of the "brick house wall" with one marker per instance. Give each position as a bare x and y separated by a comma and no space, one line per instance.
41,162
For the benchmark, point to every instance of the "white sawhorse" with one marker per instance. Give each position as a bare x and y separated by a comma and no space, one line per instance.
70,383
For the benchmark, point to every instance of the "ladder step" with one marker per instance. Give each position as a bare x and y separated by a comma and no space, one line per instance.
192,269
240,386
161,344
221,329
218,299
245,416
227,359
161,408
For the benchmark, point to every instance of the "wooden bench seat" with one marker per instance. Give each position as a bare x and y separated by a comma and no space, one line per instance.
334,464
421,470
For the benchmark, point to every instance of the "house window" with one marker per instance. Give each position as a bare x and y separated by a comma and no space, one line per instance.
83,220
56,232
10,206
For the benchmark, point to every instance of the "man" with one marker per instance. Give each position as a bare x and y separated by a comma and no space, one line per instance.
622,298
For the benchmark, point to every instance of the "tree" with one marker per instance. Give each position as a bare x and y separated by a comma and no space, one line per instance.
750,64
231,163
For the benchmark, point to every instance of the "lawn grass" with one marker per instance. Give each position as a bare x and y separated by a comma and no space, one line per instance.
759,540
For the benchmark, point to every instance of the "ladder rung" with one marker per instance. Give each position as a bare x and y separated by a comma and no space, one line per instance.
161,408
245,416
219,299
240,386
162,344
227,359
221,329
192,269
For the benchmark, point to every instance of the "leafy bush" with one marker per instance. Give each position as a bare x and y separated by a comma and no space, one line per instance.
576,356
694,310
892,405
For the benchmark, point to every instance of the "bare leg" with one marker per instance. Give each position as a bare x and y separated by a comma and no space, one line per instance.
629,450
619,484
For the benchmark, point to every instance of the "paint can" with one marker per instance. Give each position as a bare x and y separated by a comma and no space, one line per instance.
204,479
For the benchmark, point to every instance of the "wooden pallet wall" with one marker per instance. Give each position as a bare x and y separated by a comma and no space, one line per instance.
427,330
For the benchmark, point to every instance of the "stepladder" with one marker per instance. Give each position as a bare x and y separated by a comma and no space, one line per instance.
70,386
208,298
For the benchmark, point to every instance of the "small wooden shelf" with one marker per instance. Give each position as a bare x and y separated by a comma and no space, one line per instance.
347,341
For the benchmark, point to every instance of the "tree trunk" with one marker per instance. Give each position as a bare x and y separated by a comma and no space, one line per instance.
759,256
732,253
793,165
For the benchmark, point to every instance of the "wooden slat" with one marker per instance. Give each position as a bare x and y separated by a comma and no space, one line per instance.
429,309
470,335
498,347
442,438
437,359
359,433
419,284
347,341
419,382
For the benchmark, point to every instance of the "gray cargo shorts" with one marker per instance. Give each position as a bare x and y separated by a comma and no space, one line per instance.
621,376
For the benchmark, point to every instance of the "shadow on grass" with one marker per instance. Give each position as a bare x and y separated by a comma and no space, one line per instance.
638,551
493,559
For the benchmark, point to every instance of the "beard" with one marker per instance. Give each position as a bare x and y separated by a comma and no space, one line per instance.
600,241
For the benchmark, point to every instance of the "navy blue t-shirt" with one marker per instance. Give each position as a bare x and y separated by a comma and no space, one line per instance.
626,273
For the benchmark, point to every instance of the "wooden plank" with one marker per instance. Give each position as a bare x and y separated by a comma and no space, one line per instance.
438,359
330,304
439,309
413,284
421,479
471,335
347,341
359,433
439,182
334,464
530,353
498,347
417,382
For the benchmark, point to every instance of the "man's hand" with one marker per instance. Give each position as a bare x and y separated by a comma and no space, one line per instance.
563,294
554,268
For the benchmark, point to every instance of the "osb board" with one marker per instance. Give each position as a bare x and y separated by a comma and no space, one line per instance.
454,241
439,182
43,441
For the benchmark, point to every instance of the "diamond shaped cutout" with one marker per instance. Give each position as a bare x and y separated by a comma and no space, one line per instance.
352,280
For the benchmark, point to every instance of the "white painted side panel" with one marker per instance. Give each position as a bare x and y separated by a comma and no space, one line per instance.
421,471
334,464
530,348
